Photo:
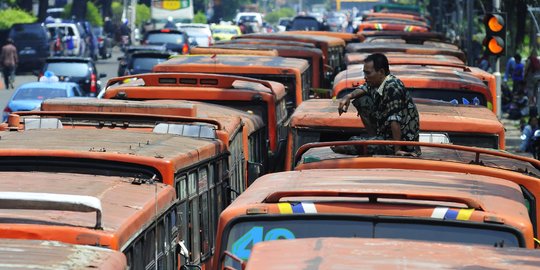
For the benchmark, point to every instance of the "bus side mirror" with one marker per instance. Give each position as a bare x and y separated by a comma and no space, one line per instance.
182,250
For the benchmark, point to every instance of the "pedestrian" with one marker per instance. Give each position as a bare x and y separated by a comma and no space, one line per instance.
509,68
385,107
518,74
8,62
532,74
527,135
170,23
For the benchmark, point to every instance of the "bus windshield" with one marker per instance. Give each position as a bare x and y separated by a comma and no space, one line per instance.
243,235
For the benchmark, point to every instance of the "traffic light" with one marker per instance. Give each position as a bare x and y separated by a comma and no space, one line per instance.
495,41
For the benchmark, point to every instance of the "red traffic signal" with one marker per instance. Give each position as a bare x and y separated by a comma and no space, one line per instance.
495,41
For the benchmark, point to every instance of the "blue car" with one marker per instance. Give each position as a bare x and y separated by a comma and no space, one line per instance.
30,95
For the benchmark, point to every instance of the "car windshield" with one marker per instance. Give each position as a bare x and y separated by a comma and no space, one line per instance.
28,32
165,38
70,69
230,31
304,24
39,93
146,63
244,235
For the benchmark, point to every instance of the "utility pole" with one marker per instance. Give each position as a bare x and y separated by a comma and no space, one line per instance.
497,73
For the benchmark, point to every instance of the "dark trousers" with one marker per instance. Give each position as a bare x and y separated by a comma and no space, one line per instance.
6,73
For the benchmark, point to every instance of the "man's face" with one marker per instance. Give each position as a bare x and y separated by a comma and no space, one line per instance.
373,77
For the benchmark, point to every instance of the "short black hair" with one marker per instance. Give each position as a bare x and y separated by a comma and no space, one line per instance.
517,57
379,62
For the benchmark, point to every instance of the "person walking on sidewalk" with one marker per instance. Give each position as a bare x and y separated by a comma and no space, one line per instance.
8,62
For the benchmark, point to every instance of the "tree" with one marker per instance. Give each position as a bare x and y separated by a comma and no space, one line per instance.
78,9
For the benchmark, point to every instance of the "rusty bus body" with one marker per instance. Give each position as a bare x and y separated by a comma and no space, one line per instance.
327,253
374,203
461,84
114,212
313,55
333,48
34,254
265,99
293,73
196,167
420,49
472,161
240,132
317,120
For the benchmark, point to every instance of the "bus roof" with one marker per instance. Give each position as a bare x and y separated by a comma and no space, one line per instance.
347,37
355,253
127,207
395,58
434,117
234,51
191,82
34,254
383,47
422,77
232,64
131,152
282,50
499,198
314,39
410,37
393,15
230,119
391,26
267,42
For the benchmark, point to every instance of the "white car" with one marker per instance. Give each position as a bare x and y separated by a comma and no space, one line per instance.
70,36
199,33
249,17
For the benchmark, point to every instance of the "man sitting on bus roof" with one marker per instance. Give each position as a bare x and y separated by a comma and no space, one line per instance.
386,108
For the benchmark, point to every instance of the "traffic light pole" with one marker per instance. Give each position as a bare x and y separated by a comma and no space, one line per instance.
497,73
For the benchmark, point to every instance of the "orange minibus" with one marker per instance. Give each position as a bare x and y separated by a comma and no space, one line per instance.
458,84
436,157
240,132
317,120
421,49
45,154
294,73
265,99
374,203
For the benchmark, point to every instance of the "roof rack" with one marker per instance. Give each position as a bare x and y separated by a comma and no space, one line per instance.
196,79
475,150
373,197
113,117
51,201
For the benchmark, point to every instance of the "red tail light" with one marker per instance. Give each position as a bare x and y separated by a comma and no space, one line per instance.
93,86
7,110
185,49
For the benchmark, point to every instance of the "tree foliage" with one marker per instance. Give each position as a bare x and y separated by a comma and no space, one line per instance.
92,13
142,14
200,17
273,17
11,16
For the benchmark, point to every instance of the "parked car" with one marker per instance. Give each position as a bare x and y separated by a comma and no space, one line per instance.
124,60
198,33
306,23
173,40
283,23
224,32
80,70
143,61
30,95
33,43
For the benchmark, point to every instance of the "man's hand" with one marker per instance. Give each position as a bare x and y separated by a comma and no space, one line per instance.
343,105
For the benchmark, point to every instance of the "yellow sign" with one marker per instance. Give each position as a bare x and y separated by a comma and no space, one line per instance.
171,5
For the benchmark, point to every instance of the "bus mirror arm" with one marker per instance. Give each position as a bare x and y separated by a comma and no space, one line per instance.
182,250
